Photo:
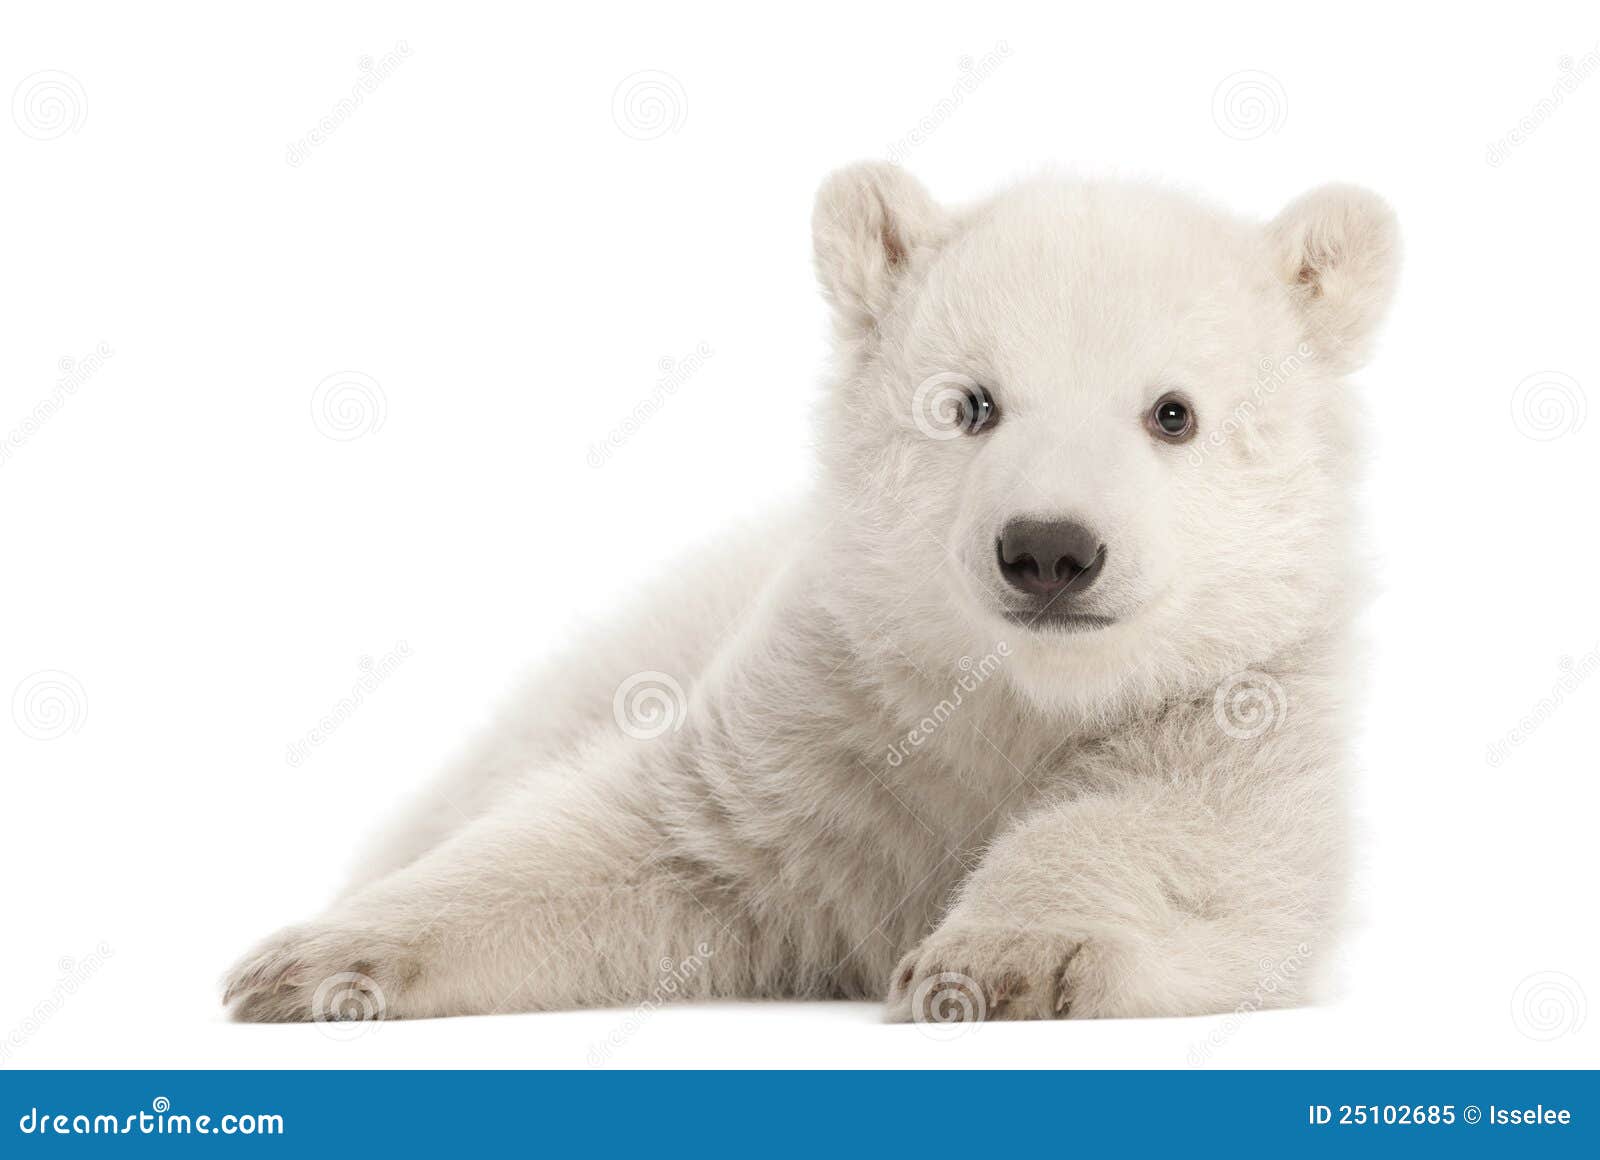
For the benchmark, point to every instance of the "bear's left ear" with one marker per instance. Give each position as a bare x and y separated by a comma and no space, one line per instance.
873,224
1337,250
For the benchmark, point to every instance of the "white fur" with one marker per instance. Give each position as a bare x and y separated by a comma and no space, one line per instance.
882,788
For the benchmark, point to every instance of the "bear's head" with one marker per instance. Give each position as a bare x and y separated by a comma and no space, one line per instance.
1101,422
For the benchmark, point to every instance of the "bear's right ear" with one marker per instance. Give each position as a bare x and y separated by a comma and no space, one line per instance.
1336,250
872,225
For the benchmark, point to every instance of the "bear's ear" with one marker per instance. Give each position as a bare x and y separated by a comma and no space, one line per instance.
1337,249
873,224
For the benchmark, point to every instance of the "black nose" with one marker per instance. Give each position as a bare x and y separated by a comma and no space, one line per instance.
1048,557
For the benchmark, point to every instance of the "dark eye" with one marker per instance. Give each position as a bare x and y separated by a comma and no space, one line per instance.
1171,419
979,412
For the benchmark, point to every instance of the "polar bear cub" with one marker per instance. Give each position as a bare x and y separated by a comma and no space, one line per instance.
1035,709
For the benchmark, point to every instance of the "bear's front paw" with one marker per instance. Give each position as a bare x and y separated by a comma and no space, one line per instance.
322,973
971,974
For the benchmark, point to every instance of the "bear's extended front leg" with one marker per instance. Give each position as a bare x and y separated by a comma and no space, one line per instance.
1162,894
549,901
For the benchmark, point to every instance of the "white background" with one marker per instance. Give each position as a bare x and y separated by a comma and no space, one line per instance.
509,250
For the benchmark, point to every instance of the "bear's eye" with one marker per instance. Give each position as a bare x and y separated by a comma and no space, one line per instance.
979,411
1172,419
